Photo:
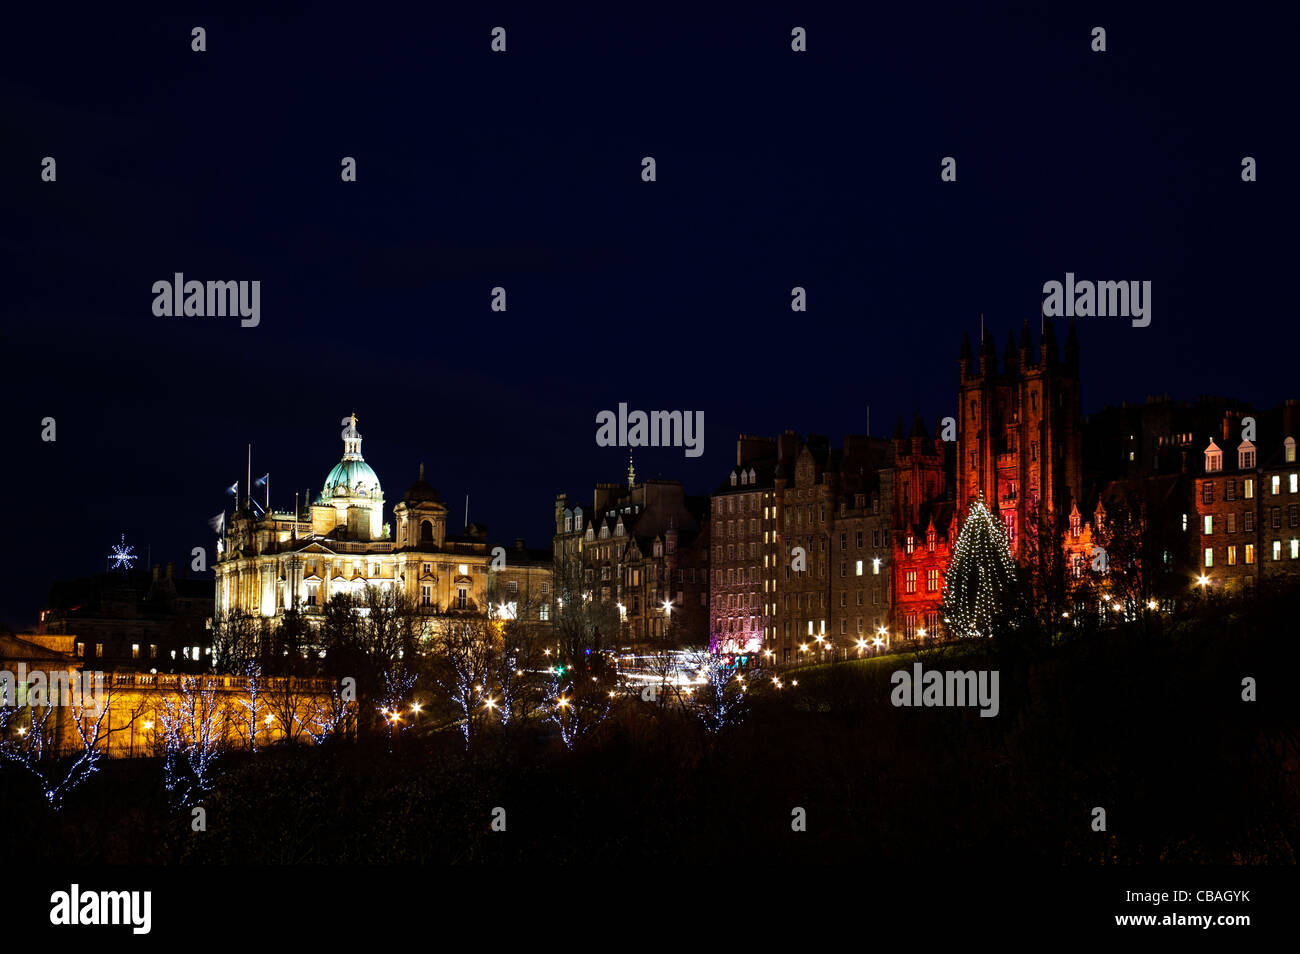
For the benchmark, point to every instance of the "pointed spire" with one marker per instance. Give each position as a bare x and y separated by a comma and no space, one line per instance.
988,354
631,471
1049,342
918,427
1026,339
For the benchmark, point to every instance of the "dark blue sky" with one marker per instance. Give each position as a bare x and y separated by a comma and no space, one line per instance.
522,170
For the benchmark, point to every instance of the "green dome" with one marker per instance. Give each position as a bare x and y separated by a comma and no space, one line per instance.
351,478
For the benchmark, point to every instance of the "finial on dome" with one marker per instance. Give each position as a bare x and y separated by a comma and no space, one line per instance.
422,470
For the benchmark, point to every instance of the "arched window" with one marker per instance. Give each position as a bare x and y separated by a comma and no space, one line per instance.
426,531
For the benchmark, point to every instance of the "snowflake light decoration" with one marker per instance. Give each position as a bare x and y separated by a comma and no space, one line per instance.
123,556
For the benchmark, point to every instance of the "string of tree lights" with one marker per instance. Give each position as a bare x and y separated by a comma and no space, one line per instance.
982,577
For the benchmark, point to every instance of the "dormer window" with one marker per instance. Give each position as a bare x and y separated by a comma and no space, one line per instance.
929,539
1213,458
591,533
618,529
752,476
659,548
1289,447
911,543
1076,525
1245,456
733,478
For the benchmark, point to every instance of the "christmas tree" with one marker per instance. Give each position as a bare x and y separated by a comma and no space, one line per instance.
981,586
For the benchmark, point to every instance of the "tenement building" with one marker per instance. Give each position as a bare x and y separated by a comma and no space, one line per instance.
643,547
1247,506
824,540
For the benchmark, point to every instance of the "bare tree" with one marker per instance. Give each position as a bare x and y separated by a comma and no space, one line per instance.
575,705
466,651
516,668
36,747
375,640
325,717
721,700
236,642
194,722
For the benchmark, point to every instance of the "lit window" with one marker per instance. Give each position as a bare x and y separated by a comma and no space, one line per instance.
1209,556
135,650
1209,525
1250,553
1232,556
859,568
1295,548
1277,549
1277,484
1248,488
910,581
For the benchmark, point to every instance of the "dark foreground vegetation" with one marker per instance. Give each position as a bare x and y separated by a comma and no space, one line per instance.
1151,727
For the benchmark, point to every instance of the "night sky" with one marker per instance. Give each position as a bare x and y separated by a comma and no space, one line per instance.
523,170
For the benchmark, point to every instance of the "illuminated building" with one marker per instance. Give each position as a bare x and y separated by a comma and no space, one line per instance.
272,562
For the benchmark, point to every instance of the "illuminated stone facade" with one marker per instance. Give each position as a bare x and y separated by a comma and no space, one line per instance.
270,563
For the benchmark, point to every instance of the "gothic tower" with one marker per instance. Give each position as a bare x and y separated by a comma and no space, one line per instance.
1020,441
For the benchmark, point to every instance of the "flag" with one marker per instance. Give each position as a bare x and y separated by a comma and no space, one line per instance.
218,523
233,488
261,480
